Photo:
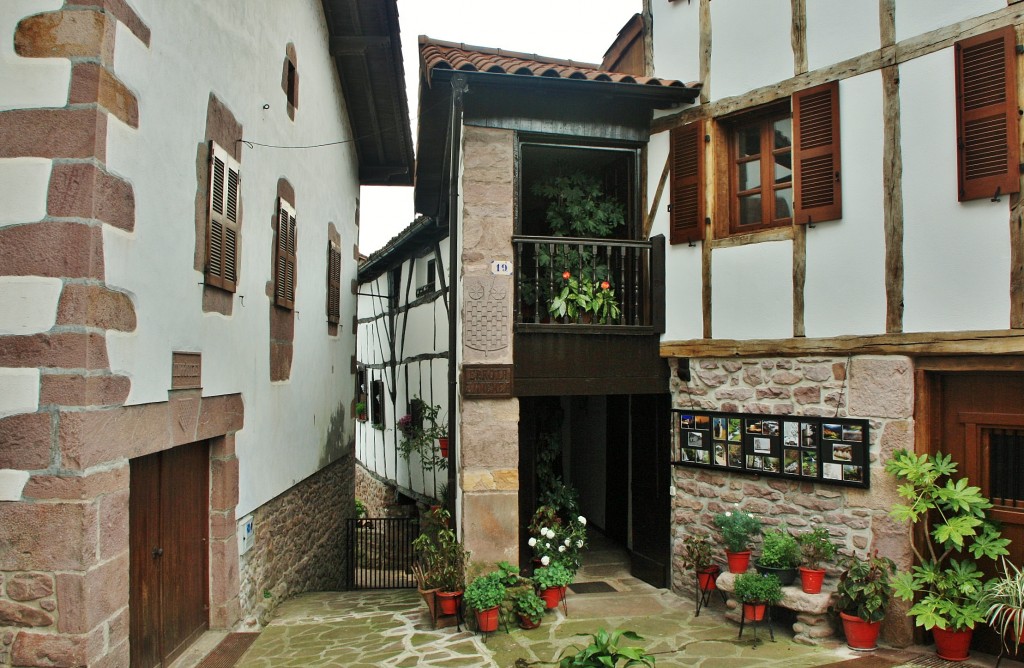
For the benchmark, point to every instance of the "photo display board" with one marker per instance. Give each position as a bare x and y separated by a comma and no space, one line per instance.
832,451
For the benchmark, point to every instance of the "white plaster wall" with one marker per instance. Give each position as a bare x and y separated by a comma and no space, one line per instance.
29,82
676,28
844,289
914,17
28,304
956,256
19,391
840,29
24,184
684,310
286,423
752,291
750,45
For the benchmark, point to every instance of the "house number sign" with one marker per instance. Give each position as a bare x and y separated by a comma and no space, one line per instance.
501,268
832,451
487,381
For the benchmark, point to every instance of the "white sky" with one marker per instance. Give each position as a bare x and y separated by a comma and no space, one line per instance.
580,30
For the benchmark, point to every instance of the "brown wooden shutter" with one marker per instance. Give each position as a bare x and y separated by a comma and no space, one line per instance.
817,191
333,283
687,156
986,115
222,229
284,256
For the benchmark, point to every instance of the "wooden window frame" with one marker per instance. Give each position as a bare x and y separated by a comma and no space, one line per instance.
285,268
764,119
987,115
223,220
333,283
687,208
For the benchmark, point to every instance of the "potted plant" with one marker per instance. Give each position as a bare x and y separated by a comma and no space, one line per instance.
862,596
948,590
1005,613
420,429
606,649
552,580
780,555
529,607
738,530
697,556
483,595
756,592
441,562
361,411
816,548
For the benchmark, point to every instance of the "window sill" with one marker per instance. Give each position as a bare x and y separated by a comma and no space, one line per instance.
773,234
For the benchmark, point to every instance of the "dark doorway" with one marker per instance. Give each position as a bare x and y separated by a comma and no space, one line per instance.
614,452
168,517
978,419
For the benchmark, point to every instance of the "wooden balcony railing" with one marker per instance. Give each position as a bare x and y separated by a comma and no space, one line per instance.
600,285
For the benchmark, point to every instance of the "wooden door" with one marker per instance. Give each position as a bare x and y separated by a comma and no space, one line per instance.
649,487
168,527
978,418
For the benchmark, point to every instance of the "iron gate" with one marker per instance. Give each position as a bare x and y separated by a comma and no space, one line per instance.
380,553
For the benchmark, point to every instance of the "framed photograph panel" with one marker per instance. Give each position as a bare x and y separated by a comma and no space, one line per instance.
830,451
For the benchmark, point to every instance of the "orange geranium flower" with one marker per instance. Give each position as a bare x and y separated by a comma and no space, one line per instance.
566,275
605,285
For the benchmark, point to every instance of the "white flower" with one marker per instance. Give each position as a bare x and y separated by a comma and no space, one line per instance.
568,542
545,560
544,531
547,545
579,543
532,542
551,533
561,548
583,520
728,513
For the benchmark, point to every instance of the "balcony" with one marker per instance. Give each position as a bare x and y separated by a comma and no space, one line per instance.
601,286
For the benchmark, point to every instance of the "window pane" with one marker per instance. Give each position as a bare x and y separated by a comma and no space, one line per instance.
784,203
750,175
783,133
748,139
783,173
750,210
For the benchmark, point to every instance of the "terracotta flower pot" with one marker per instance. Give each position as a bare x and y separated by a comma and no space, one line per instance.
754,612
527,623
448,601
739,562
860,635
552,596
811,579
443,444
707,577
487,620
953,645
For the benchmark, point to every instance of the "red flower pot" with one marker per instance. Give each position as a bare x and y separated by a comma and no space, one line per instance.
811,579
487,620
527,623
552,596
739,562
860,635
754,612
448,601
706,578
443,443
952,645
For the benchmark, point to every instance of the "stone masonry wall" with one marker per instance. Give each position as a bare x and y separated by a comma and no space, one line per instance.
879,389
377,496
300,542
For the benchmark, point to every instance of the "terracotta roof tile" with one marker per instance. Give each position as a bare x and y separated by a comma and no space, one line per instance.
436,54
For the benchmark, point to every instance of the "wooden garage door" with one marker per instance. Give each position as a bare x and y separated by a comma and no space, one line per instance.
169,529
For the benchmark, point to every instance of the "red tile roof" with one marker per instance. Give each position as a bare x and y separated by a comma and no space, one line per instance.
436,54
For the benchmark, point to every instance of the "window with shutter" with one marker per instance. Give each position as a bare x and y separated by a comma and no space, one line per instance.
333,283
687,156
284,256
223,228
817,192
986,115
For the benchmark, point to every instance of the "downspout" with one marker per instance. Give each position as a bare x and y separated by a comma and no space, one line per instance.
459,87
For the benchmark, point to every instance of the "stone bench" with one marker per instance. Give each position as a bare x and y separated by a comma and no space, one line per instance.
812,620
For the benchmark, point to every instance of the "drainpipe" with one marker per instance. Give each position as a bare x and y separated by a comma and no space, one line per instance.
459,87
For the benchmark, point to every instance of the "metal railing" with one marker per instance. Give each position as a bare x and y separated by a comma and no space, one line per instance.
604,283
380,553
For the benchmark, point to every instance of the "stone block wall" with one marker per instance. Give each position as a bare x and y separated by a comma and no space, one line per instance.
377,496
878,388
299,543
